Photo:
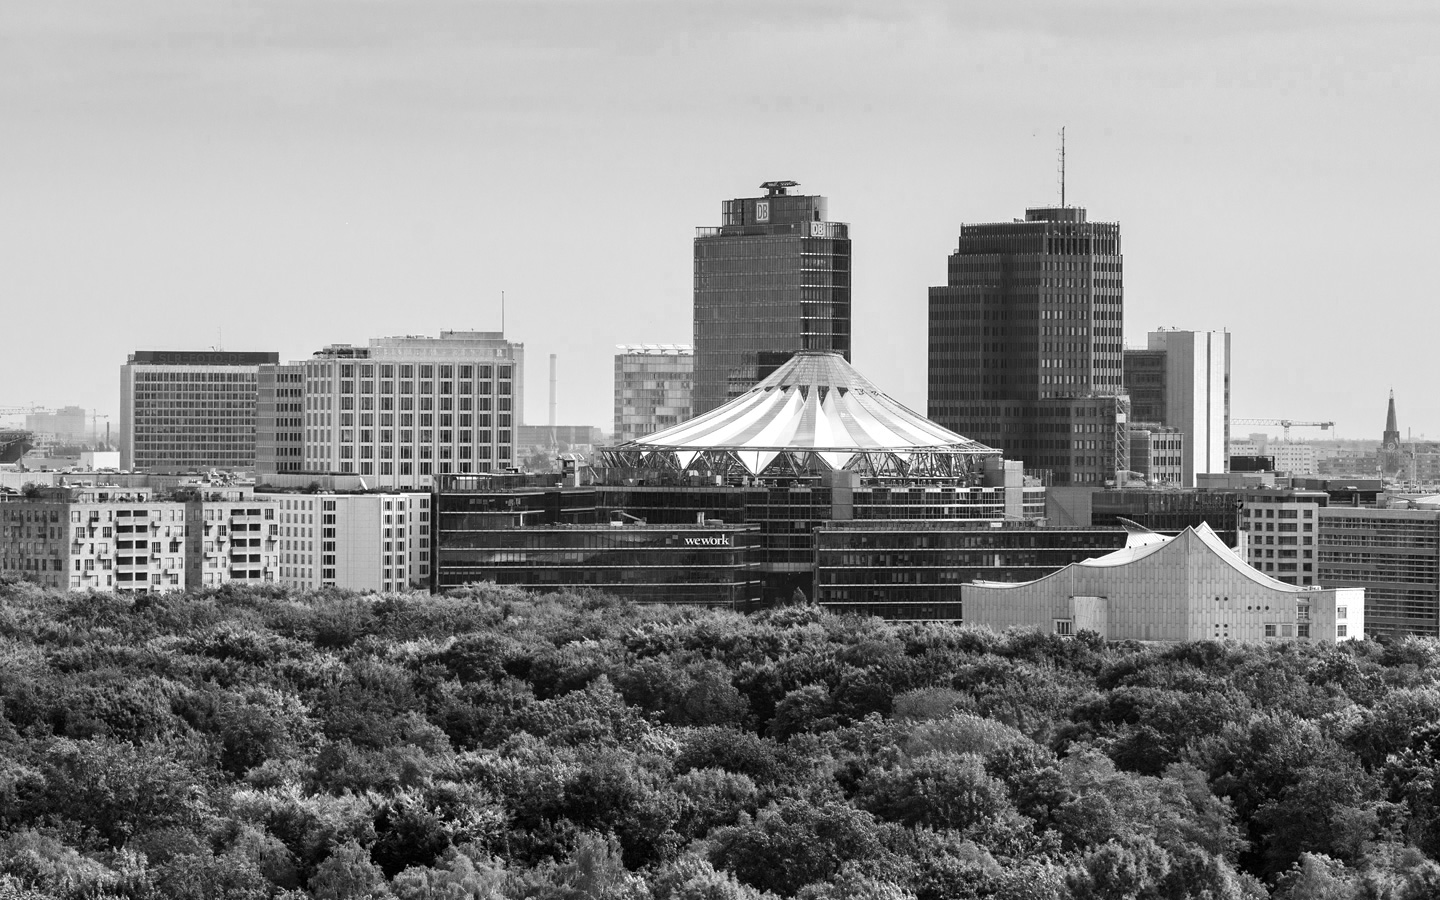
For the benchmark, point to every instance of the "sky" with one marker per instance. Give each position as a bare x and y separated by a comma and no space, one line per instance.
187,174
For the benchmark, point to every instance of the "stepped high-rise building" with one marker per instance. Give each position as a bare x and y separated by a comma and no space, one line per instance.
772,279
1026,344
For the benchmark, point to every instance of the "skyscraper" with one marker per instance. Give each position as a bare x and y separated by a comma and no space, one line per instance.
772,279
1196,394
1026,344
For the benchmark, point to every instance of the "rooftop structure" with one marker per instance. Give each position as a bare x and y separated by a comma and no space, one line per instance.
1185,588
814,414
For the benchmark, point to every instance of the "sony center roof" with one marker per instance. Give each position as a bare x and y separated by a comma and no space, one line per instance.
817,412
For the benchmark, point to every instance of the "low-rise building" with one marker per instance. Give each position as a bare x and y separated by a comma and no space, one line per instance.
1394,554
129,540
913,570
360,541
1185,588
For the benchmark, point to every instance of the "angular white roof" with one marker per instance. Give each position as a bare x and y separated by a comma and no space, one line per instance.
815,403
1200,539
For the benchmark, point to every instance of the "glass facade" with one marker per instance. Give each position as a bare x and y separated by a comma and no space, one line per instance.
700,564
773,279
652,388
1027,330
913,570
1394,554
189,411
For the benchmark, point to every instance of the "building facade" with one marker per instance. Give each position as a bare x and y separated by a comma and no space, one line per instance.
112,538
279,419
772,279
1157,452
1197,394
187,411
913,570
405,409
1190,587
653,383
1026,344
1394,554
354,541
68,425
1282,532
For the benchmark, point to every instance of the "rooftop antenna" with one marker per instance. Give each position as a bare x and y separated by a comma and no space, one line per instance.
1062,166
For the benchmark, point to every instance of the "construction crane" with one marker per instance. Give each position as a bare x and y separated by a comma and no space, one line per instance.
1284,423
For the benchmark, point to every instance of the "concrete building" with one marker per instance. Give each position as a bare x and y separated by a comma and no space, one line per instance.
1157,453
1282,532
653,383
1196,388
353,541
279,419
189,411
1292,458
1025,344
68,425
1186,588
122,539
1394,554
772,279
404,409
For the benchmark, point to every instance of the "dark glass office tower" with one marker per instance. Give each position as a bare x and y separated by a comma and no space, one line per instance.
774,278
1026,344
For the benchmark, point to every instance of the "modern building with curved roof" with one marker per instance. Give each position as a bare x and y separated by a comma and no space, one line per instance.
1184,588
813,415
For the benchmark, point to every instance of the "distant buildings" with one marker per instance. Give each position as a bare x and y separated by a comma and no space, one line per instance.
1182,379
653,384
398,411
1026,343
69,425
813,443
772,279
186,411
1157,453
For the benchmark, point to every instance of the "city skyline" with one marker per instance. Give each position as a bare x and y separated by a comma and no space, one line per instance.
179,178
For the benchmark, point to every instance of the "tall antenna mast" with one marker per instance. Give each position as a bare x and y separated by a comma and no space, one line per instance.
1062,166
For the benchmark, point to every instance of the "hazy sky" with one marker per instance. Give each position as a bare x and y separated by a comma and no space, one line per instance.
177,174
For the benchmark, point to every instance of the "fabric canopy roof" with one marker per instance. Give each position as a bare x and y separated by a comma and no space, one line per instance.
816,402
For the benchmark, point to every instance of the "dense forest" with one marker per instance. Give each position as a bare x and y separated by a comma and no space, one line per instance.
251,743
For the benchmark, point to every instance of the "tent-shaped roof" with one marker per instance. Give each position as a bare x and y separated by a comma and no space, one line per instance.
1201,539
818,403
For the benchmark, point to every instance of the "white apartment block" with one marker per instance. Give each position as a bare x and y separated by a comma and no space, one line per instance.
124,539
404,409
359,542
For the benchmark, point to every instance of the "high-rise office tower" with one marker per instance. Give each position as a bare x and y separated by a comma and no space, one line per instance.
1196,386
182,411
772,279
1026,344
652,388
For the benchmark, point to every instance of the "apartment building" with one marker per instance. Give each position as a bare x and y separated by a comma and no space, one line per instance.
354,541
